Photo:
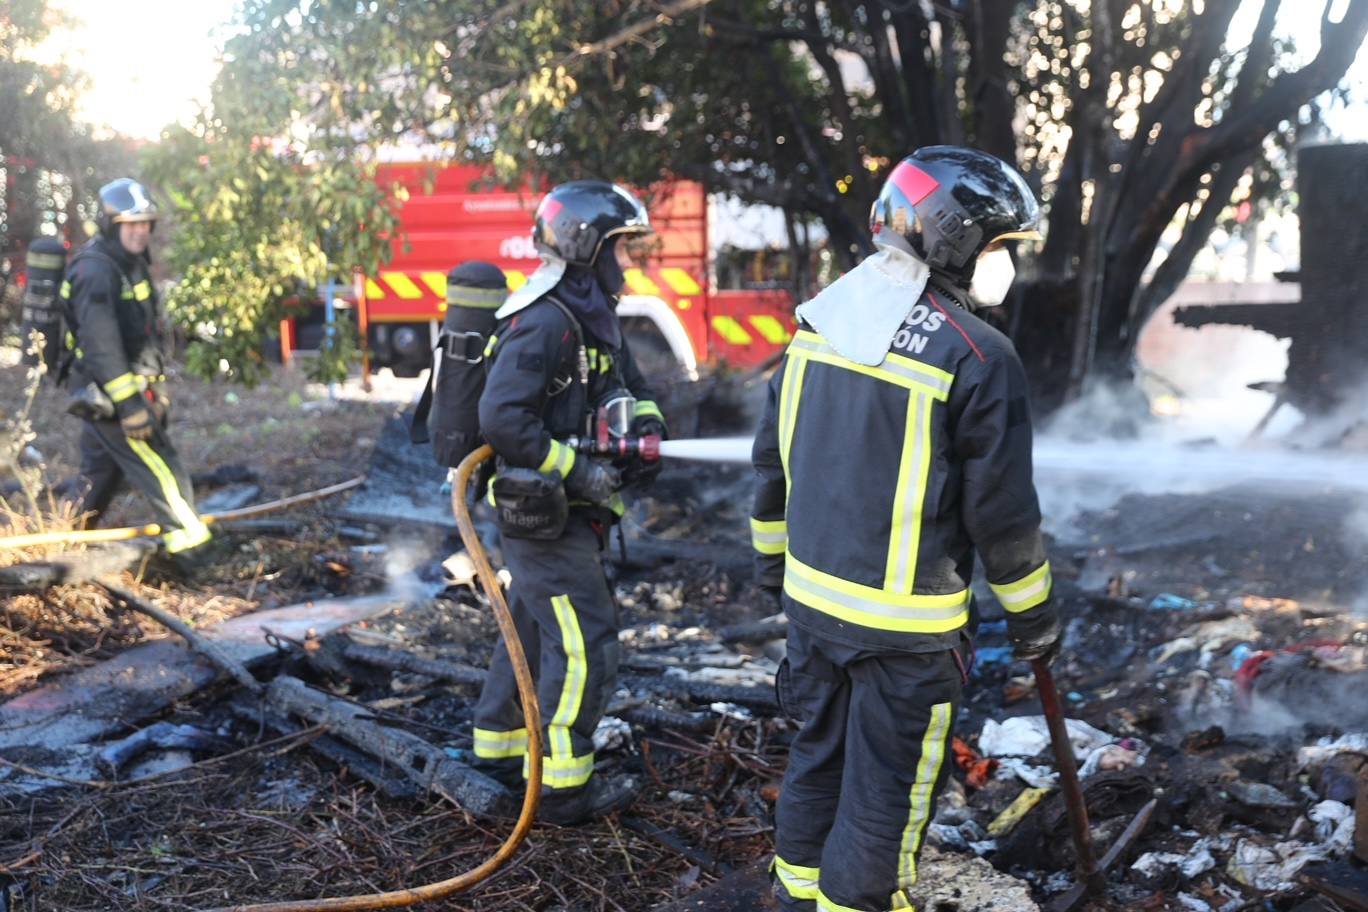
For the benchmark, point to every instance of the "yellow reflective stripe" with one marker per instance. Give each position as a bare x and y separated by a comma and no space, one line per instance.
646,408
559,458
44,260
403,286
899,902
65,290
124,386
192,527
934,741
516,279
564,772
904,539
732,333
680,281
1027,592
178,540
770,329
894,369
870,607
143,290
639,283
576,677
826,904
475,298
798,881
769,536
373,291
489,348
495,745
789,392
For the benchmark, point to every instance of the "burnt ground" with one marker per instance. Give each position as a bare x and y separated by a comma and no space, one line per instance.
1165,596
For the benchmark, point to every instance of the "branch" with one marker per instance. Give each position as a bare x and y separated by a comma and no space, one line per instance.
1340,44
603,46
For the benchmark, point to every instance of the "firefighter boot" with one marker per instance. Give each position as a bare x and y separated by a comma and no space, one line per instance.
599,797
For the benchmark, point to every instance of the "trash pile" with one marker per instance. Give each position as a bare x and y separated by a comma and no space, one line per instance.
1242,712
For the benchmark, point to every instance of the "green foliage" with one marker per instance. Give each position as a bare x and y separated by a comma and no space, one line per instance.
52,164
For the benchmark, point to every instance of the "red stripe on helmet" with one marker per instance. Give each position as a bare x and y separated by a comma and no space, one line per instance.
914,183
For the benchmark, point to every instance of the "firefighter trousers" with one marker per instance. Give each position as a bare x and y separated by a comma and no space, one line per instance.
863,772
154,468
567,620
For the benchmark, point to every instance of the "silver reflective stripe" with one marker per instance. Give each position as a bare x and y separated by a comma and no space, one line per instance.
897,366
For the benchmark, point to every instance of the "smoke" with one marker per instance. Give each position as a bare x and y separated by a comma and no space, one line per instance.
1356,536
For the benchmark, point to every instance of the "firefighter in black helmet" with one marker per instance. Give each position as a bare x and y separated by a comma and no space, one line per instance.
558,363
896,444
118,376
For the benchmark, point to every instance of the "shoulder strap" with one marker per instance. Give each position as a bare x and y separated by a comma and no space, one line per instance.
418,429
581,355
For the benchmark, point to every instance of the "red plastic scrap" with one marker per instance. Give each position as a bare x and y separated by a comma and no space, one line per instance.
977,769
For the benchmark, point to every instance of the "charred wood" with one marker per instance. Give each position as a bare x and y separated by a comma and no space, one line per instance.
423,763
161,736
329,748
77,567
675,844
199,643
702,692
397,660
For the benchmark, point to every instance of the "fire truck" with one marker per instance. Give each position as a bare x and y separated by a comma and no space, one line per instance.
670,307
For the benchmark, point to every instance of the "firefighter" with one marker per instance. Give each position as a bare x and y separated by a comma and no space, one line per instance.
895,444
118,375
559,362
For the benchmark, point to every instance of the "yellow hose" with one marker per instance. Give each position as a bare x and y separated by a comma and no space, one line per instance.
527,692
89,536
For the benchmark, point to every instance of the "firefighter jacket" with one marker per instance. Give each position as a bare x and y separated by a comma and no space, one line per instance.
534,398
115,321
876,485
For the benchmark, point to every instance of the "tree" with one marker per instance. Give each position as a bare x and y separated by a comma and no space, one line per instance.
1130,116
51,163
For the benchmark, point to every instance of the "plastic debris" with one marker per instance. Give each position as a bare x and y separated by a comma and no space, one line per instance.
1167,601
1271,867
1027,736
1334,826
1032,775
612,733
1197,860
1011,815
1313,756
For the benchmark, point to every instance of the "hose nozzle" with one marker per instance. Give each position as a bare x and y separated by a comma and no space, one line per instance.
646,447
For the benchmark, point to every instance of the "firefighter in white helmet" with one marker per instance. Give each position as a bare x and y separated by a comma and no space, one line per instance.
117,374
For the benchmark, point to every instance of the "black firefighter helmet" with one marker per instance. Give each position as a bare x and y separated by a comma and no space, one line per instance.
124,200
947,204
576,218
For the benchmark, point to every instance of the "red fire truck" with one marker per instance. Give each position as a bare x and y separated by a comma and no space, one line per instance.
448,219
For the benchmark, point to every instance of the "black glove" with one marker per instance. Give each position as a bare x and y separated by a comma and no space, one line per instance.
775,595
592,481
1035,633
139,423
639,472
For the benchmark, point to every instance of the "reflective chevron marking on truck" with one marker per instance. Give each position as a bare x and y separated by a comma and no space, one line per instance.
770,329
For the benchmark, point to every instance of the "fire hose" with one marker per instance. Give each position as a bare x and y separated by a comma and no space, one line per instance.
527,693
90,536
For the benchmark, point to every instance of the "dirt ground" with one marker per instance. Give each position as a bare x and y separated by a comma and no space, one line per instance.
1162,594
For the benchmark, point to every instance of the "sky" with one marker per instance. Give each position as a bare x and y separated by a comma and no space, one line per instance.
151,61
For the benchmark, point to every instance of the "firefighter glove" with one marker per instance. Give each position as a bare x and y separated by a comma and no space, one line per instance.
1035,634
640,472
592,481
138,424
160,406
